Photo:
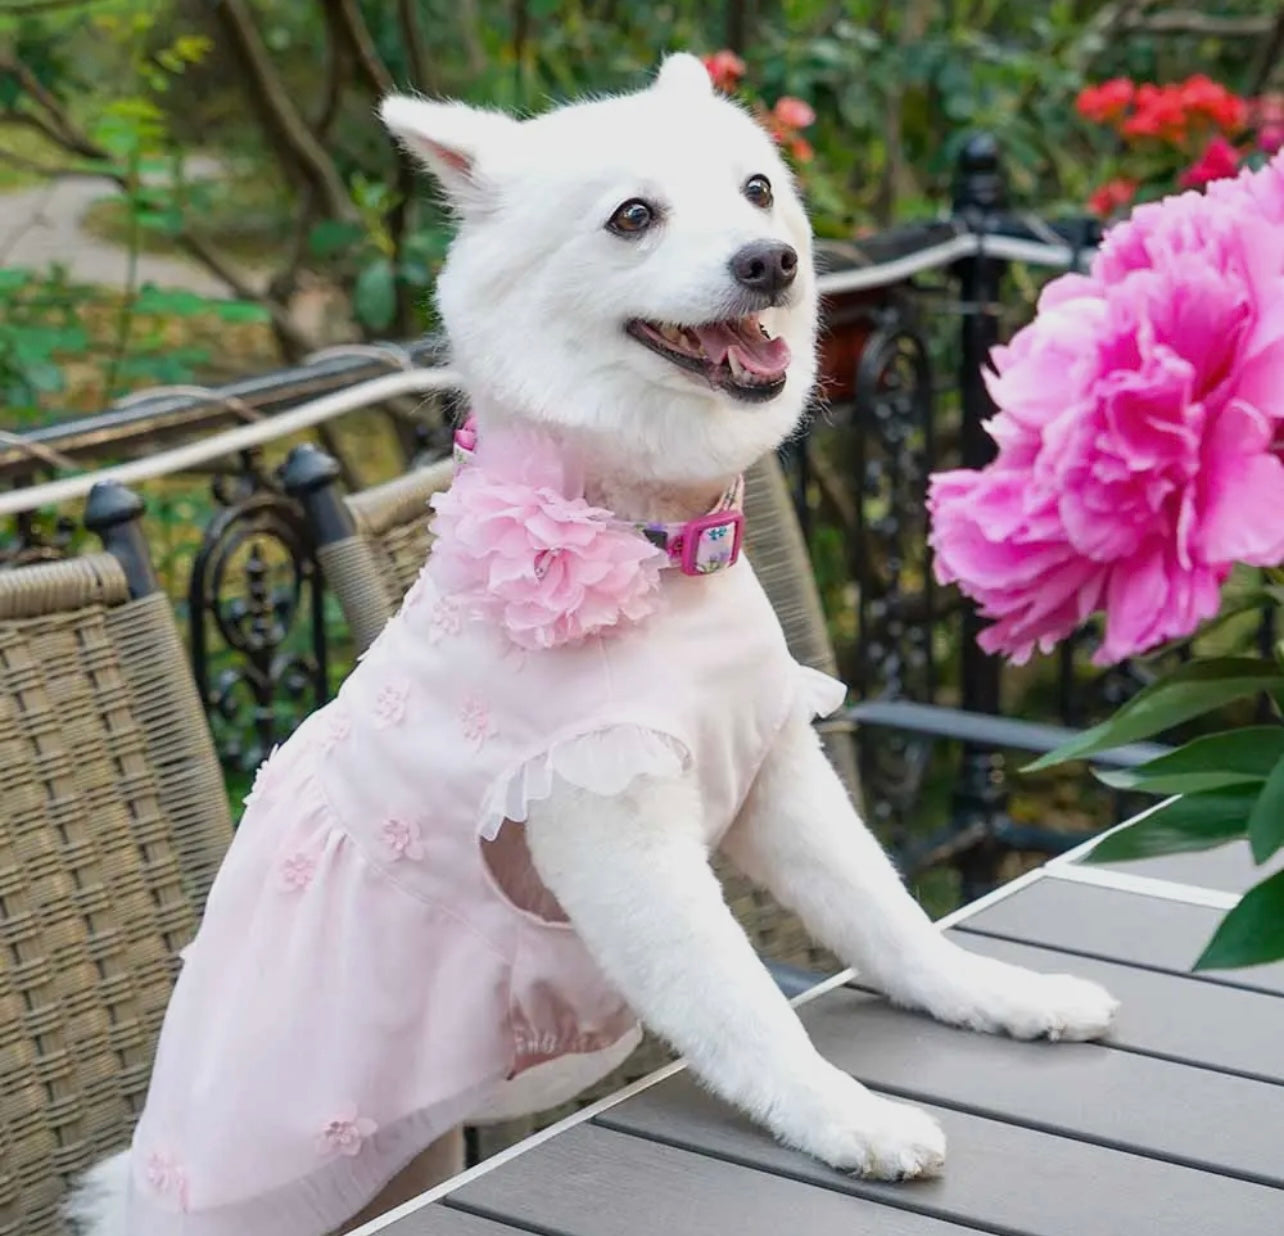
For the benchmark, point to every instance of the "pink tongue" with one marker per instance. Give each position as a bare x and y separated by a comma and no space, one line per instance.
756,354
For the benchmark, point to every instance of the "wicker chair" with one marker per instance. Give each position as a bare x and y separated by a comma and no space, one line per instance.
371,547
113,819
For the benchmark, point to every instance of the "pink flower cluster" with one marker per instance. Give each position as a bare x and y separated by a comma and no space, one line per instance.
518,543
1139,433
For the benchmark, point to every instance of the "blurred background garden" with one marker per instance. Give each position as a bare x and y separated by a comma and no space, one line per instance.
193,192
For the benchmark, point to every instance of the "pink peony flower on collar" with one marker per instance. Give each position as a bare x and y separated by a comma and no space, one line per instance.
520,546
1138,428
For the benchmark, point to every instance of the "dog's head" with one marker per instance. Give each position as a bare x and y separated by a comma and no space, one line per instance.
633,272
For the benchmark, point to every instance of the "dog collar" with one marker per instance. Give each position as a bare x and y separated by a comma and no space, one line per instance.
701,546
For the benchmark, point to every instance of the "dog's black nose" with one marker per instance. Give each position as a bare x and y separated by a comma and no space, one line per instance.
765,266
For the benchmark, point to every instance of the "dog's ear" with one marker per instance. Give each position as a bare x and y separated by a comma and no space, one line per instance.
683,71
449,139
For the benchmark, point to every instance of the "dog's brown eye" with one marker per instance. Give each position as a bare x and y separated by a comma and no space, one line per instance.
758,190
631,219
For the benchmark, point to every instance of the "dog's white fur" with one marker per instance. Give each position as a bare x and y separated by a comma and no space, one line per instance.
536,291
535,296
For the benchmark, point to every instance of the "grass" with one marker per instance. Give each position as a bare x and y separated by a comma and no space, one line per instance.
25,145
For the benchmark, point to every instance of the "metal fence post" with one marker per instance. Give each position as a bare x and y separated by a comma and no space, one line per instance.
309,475
114,514
980,793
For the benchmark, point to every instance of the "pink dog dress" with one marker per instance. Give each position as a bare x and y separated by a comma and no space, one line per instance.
378,961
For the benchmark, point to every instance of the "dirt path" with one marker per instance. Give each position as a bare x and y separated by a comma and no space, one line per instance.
43,225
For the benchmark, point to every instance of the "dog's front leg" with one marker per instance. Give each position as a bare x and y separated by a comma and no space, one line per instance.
800,836
632,873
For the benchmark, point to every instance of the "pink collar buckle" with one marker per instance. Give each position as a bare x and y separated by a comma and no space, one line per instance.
710,543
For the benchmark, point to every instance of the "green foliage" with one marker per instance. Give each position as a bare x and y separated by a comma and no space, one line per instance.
1197,688
1231,785
1192,822
38,331
45,327
1266,821
178,303
1243,756
896,90
1252,933
375,296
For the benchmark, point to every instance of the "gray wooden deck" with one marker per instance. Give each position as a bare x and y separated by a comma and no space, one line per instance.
1175,1126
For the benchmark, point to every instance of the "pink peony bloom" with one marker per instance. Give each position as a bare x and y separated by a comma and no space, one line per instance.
1137,428
518,543
1261,190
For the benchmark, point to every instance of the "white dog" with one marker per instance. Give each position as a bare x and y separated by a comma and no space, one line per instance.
575,704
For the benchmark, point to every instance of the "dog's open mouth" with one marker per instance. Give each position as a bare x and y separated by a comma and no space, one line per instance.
737,355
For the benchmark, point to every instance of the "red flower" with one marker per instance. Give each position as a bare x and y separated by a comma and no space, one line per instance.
1161,114
1107,103
1114,195
1204,98
1220,161
726,69
1170,114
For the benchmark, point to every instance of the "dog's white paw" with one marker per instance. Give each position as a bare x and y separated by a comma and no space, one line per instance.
1056,1006
882,1140
987,995
856,1131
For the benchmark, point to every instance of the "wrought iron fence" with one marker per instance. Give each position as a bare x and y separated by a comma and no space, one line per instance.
910,316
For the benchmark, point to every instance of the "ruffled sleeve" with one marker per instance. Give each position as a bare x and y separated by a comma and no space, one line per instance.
818,693
604,762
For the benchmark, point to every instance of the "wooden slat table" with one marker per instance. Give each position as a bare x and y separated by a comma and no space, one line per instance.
1174,1126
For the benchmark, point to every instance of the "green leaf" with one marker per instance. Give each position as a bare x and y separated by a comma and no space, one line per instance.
333,236
167,222
1177,783
1252,933
1191,822
45,378
14,277
239,311
1190,691
416,274
1266,823
375,299
174,302
1215,761
1236,606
